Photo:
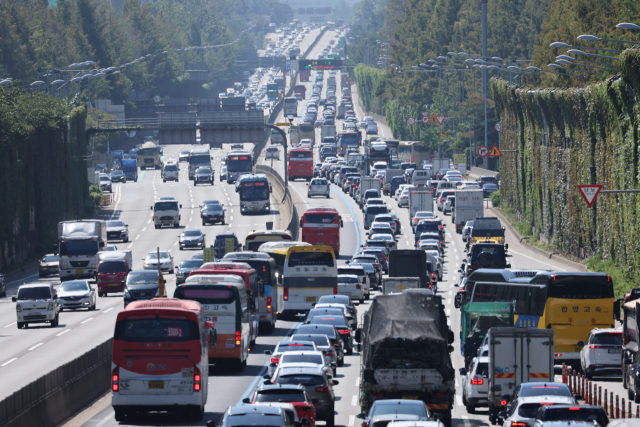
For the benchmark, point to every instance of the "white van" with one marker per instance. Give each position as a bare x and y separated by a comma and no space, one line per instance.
36,303
171,171
420,177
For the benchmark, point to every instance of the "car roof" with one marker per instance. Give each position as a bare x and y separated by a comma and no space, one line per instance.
35,285
547,398
280,386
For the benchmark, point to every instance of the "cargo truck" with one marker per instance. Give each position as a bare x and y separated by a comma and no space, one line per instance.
341,110
420,200
388,175
78,245
468,207
410,263
398,284
327,130
487,230
405,346
113,269
130,169
439,164
367,184
516,356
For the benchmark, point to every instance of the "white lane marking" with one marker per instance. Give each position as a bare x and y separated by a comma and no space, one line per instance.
455,250
354,400
537,260
9,361
88,320
137,237
231,219
466,420
358,382
11,324
352,421
149,222
175,243
450,293
105,420
108,310
448,301
35,346
144,229
115,208
459,399
456,257
448,312
63,332
129,247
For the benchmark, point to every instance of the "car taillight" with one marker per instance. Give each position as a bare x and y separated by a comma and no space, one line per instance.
238,338
415,219
336,342
343,331
115,379
329,353
518,424
268,304
323,389
286,294
335,291
275,360
364,280
594,346
477,381
196,379
358,286
289,167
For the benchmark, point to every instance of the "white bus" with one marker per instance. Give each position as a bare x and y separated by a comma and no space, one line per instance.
309,272
291,107
255,193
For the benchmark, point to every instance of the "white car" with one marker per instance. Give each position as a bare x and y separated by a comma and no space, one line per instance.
350,285
434,257
285,347
475,384
272,152
448,204
223,172
151,261
523,410
602,353
76,294
319,187
400,189
388,219
305,359
36,303
403,200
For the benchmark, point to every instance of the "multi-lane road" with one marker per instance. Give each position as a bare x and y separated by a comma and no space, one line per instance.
28,353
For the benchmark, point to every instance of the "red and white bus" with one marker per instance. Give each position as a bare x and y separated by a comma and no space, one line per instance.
159,360
250,277
321,226
300,164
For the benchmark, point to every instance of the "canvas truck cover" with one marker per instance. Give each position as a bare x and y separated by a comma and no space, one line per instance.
406,329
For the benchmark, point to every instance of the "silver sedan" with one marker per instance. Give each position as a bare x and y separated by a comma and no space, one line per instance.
76,294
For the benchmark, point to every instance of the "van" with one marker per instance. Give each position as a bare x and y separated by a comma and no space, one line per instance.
371,212
420,177
113,268
170,171
36,303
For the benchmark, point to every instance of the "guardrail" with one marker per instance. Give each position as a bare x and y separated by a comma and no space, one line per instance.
275,178
56,396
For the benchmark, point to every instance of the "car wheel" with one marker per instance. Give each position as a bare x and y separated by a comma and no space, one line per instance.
222,222
54,322
172,271
327,196
21,325
125,240
41,275
119,414
331,421
340,362
164,180
204,223
471,409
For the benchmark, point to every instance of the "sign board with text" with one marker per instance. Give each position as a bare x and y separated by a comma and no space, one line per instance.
589,193
319,64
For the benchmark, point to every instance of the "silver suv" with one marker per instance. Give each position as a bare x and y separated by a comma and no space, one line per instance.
37,303
319,187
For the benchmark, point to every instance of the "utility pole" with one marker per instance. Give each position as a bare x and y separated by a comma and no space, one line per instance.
484,73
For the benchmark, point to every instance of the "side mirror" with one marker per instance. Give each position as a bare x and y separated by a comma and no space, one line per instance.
626,361
462,267
502,415
580,343
14,299
307,184
506,247
151,208
268,352
246,400
358,336
616,309
180,206
450,336
305,422
334,382
578,397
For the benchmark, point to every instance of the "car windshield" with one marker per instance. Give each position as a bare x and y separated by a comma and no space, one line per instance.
154,255
365,260
284,395
347,279
36,293
203,170
574,414
74,286
213,208
191,263
611,338
142,277
192,233
543,389
394,408
286,347
528,410
112,267
51,258
115,224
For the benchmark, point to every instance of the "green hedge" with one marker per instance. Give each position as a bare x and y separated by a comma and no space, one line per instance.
570,137
43,179
371,83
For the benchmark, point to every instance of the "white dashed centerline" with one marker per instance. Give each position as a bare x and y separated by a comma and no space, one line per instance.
9,361
88,320
63,332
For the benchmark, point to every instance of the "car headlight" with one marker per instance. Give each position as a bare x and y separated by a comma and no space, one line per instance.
18,308
50,306
157,294
126,293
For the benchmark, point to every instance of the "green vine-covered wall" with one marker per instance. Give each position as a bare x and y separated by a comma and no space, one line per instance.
44,179
569,137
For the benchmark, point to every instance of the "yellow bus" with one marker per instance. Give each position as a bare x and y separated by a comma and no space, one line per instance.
414,152
149,156
256,238
570,303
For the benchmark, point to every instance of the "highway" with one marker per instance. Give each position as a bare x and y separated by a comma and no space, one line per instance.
29,353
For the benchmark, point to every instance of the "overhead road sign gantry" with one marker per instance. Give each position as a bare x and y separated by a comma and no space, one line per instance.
319,64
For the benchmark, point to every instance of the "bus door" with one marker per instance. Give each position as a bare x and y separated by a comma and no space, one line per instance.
159,358
322,227
225,304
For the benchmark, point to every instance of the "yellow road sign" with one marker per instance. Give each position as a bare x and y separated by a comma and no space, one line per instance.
495,151
283,124
443,135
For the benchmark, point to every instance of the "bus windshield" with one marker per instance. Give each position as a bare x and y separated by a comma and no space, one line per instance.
156,330
254,191
199,159
321,218
311,258
580,287
301,155
529,300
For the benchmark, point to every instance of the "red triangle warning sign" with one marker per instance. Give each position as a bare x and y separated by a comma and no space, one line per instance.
433,118
495,151
589,193
440,119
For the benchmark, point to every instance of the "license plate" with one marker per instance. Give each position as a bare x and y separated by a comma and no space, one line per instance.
320,243
410,397
34,314
156,384
310,299
230,344
615,350
79,271
166,222
300,170
344,293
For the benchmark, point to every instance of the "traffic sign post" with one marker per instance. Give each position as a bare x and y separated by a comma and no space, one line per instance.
411,120
498,127
440,120
425,120
495,151
426,114
483,151
589,193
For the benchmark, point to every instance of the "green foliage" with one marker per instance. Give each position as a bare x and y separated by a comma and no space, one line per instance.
95,193
495,199
42,180
569,137
621,283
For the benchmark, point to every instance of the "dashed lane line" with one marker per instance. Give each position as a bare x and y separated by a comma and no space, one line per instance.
9,361
63,332
35,346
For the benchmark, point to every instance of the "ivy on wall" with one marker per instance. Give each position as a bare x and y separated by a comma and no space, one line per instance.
571,137
44,181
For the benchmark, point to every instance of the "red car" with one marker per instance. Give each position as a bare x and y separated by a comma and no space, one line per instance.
294,394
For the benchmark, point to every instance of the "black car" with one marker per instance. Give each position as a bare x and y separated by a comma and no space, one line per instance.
192,238
488,189
590,414
220,244
203,175
341,326
212,213
185,268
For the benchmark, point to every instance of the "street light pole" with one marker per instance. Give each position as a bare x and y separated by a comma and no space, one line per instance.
484,73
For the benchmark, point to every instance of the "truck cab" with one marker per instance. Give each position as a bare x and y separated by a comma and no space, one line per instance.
166,213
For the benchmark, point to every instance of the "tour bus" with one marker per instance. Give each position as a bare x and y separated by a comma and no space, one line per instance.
348,140
309,272
198,157
149,156
159,357
272,91
257,237
413,152
300,164
290,107
225,302
254,192
250,278
307,131
321,226
265,266
570,303
238,163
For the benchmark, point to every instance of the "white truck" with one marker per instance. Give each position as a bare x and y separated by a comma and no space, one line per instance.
166,212
79,243
420,199
421,177
397,284
439,164
468,206
327,130
367,184
517,355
